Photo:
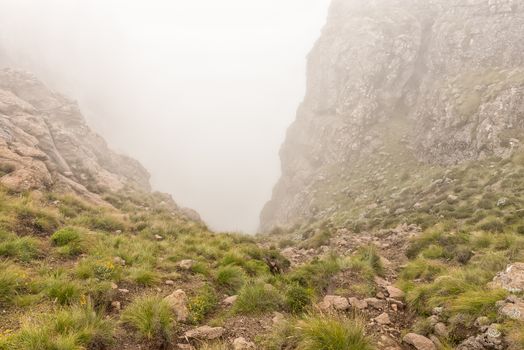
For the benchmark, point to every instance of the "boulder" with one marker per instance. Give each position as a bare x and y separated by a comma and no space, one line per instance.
513,310
178,303
334,302
419,342
512,279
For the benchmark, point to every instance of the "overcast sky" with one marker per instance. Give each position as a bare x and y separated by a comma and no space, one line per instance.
200,91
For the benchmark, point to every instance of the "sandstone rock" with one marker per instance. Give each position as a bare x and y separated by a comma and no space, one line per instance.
441,330
119,261
116,305
419,342
375,303
357,303
513,310
383,319
334,302
395,293
178,303
278,318
186,264
205,333
492,339
46,134
512,279
242,344
230,300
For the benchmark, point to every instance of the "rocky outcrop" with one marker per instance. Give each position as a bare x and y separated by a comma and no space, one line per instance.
45,143
512,279
439,81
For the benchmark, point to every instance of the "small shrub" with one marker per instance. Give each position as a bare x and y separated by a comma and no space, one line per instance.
257,297
69,242
152,318
202,304
327,333
102,269
65,236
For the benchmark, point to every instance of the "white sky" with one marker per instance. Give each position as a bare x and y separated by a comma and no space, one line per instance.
200,91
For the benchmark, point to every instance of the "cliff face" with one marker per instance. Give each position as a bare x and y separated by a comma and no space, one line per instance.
45,143
402,81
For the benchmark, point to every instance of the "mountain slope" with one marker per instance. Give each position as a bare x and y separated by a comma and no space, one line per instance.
401,84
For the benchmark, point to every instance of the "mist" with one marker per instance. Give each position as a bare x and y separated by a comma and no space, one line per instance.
200,91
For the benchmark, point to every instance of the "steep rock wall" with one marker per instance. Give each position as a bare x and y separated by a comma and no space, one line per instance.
441,80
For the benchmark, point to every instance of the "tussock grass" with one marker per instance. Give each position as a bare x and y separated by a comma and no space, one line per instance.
231,278
151,317
79,327
256,298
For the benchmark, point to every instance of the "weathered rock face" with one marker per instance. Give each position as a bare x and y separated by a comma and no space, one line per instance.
45,142
442,80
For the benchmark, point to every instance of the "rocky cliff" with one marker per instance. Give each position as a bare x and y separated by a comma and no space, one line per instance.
45,143
396,85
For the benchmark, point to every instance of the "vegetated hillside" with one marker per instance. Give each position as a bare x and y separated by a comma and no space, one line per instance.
410,139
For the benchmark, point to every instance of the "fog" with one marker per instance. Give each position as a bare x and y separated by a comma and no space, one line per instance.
200,91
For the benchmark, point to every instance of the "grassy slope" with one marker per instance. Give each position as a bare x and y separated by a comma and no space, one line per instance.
62,268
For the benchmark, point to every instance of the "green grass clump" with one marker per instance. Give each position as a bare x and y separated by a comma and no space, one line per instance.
65,236
317,274
367,260
152,318
34,221
231,278
318,332
101,222
297,298
11,281
144,276
75,328
256,298
22,248
477,303
68,242
63,291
